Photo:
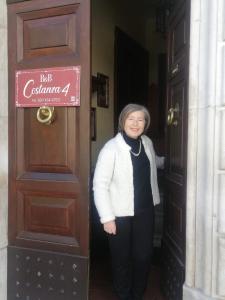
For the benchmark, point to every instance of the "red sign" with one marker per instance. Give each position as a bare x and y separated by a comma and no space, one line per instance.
48,87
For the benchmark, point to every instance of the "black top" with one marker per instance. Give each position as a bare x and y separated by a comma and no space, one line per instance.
141,175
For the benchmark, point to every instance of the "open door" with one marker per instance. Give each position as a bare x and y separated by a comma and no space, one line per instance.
48,252
176,153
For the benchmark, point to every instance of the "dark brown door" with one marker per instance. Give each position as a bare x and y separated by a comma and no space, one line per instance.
48,249
131,72
176,153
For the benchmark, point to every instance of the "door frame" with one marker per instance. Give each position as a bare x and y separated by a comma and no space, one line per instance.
205,246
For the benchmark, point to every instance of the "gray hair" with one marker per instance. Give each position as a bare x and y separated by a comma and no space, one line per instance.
130,108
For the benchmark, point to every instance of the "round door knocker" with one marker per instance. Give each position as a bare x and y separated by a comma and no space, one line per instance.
46,114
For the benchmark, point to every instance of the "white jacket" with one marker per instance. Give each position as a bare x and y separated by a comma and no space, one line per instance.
113,178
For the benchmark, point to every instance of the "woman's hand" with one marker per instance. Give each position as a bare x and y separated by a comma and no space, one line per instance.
110,227
160,162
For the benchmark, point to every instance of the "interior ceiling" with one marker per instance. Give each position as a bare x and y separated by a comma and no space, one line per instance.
152,2
148,7
144,7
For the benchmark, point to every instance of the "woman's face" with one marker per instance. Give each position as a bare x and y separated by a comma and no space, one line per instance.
135,124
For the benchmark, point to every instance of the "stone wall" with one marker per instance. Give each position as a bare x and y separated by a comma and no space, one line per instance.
3,149
205,240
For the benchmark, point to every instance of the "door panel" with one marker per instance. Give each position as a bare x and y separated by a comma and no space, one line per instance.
176,153
42,157
49,32
177,41
176,131
175,219
49,164
46,275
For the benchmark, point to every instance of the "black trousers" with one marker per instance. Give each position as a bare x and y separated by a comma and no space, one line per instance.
131,251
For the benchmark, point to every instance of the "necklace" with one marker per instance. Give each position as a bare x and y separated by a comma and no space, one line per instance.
137,154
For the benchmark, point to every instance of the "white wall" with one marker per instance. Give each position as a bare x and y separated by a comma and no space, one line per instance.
3,149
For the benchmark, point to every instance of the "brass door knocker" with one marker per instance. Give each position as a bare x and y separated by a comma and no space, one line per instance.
46,114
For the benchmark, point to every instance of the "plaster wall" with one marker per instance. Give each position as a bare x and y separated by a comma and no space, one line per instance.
106,15
3,150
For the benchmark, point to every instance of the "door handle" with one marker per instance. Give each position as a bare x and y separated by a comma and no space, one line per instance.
175,70
171,115
46,114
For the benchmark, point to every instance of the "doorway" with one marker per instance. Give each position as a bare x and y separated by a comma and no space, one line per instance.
137,75
45,183
161,87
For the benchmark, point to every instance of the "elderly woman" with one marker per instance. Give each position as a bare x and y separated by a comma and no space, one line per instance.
125,192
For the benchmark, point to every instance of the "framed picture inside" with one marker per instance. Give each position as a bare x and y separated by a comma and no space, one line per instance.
93,124
102,90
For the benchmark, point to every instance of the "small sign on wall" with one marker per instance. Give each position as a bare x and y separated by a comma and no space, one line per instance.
59,86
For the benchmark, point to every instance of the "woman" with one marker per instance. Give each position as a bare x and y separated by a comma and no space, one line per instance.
125,192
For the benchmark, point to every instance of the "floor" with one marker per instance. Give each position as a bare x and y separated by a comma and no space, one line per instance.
101,287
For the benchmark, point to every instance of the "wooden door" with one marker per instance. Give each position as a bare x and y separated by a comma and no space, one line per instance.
48,250
131,72
176,153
